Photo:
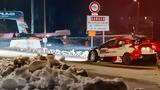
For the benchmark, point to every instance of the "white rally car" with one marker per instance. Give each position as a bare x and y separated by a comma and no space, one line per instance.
125,50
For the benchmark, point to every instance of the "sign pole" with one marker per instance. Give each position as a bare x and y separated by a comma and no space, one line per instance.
92,34
94,7
96,22
91,41
103,36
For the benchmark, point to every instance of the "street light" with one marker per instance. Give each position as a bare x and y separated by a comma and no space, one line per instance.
138,14
152,23
149,21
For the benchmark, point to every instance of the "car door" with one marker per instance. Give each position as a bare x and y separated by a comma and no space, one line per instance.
121,48
108,49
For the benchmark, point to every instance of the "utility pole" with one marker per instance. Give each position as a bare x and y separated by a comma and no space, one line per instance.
32,16
45,17
45,32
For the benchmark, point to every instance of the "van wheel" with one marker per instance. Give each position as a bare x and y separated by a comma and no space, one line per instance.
93,56
126,59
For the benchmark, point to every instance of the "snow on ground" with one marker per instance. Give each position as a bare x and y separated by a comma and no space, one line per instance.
47,73
72,52
70,55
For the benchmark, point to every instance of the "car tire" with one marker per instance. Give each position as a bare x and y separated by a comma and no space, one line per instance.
93,56
126,59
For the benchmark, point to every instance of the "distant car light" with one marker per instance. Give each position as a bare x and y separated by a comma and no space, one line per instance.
49,45
48,35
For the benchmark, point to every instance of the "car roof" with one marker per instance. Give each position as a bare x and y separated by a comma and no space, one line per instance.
126,40
120,38
123,38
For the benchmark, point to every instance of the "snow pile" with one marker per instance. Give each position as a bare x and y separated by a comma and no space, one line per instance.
82,54
68,52
46,73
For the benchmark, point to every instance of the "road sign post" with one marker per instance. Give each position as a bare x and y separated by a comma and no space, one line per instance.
94,7
92,42
96,22
92,34
103,40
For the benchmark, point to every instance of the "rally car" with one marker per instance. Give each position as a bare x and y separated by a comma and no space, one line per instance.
126,50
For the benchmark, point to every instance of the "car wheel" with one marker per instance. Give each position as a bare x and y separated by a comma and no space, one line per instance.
93,56
126,59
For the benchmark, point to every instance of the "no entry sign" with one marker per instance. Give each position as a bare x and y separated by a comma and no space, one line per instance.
94,7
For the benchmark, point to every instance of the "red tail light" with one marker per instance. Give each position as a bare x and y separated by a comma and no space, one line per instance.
136,53
154,47
136,46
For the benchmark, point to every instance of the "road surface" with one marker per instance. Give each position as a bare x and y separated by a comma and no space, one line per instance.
136,79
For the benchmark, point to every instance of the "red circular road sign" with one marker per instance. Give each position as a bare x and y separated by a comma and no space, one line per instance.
94,7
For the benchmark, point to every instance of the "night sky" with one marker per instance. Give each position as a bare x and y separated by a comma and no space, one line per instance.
71,14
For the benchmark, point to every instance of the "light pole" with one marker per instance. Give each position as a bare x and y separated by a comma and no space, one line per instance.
138,14
152,23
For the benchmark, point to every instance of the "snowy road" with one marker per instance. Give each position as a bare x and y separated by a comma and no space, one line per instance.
137,79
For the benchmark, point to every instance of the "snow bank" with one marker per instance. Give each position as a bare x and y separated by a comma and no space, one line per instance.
82,54
46,73
25,43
